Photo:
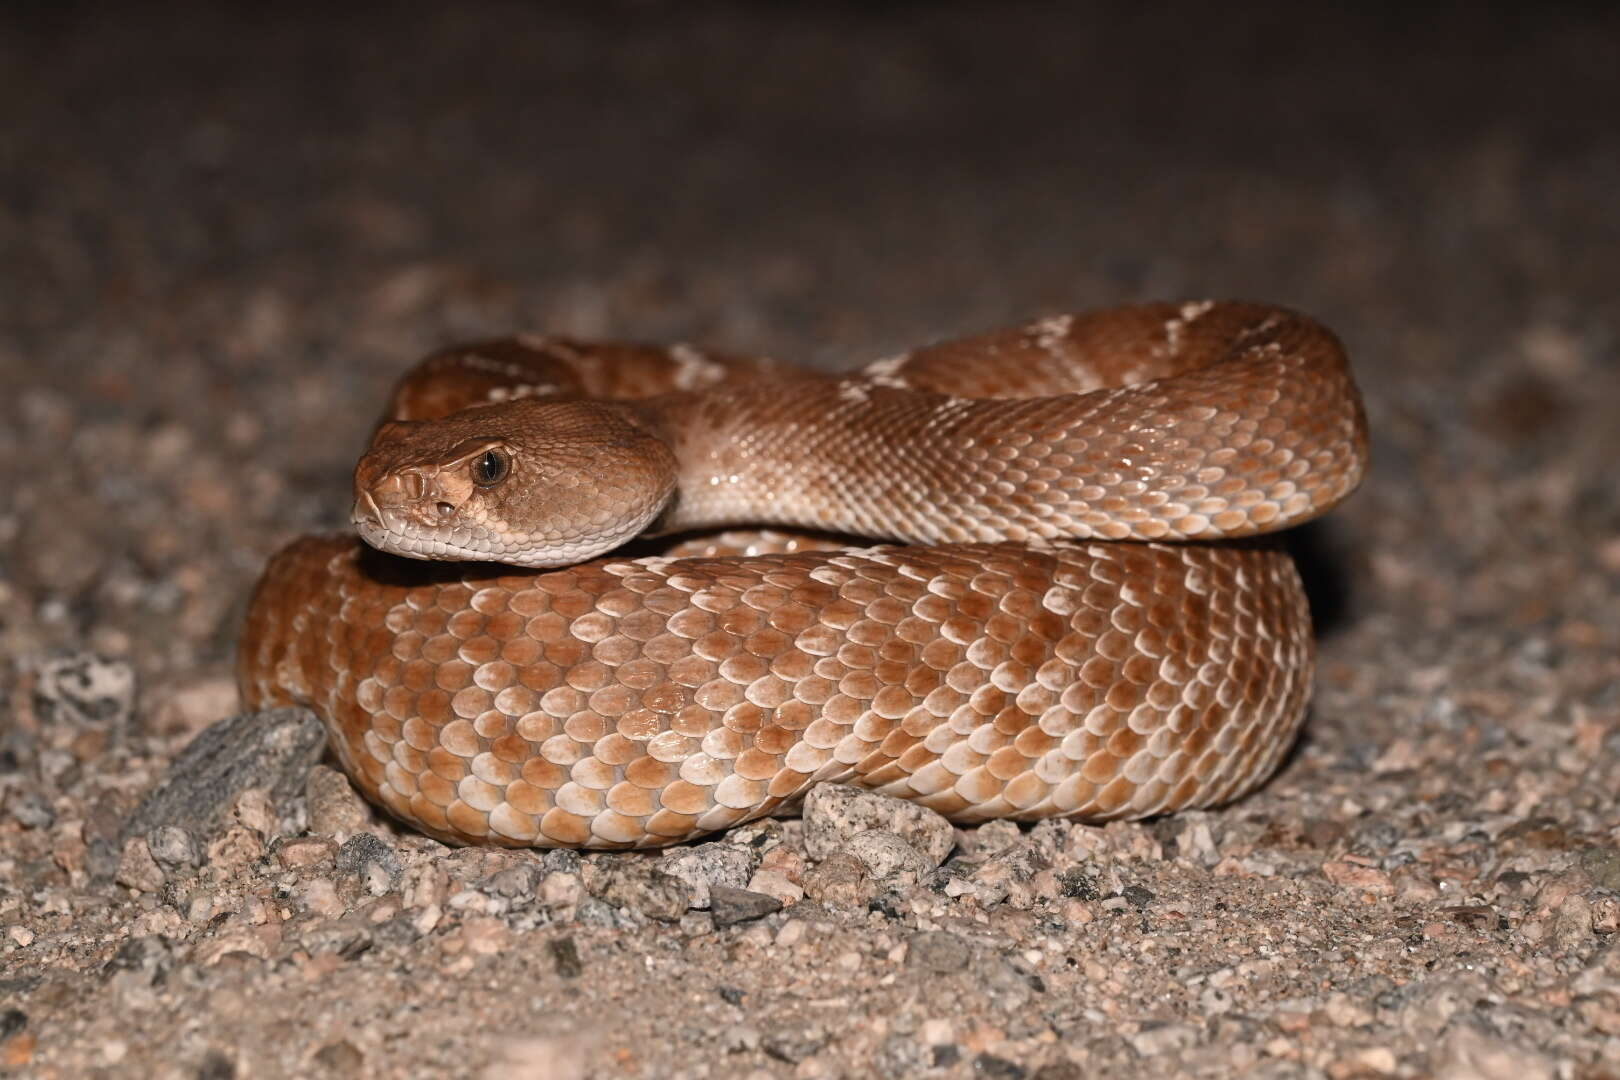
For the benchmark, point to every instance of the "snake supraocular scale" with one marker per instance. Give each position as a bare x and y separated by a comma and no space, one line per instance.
1077,623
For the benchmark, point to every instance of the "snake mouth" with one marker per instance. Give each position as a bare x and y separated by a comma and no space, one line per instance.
391,530
394,532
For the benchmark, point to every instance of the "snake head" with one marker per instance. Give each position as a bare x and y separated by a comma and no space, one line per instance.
529,483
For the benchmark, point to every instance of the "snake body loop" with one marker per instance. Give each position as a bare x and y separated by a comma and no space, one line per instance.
1037,648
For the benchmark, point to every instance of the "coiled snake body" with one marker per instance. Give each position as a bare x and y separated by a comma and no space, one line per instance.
1075,624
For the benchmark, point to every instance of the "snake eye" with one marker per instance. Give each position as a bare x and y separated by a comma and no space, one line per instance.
490,468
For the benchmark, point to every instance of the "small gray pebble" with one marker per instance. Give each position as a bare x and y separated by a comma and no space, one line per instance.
887,855
594,912
560,861
515,882
346,937
173,847
216,1065
1602,865
793,1043
341,1057
152,955
31,810
364,850
1155,1039
565,954
834,814
901,1055
85,690
335,808
639,886
937,951
709,865
730,906
997,1068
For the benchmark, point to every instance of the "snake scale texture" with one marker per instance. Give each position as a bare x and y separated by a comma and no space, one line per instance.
1077,612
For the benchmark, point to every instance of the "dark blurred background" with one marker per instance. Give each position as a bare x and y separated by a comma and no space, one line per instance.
226,228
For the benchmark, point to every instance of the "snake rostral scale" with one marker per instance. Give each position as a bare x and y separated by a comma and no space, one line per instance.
1077,623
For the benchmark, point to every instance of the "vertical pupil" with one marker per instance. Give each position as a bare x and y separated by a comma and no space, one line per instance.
489,466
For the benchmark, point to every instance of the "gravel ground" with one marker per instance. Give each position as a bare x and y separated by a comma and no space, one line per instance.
224,233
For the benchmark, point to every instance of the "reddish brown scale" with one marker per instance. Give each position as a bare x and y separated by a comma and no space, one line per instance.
501,775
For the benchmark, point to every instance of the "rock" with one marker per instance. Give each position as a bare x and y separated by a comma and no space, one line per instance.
273,749
1155,1039
937,951
217,1065
1468,1054
776,884
706,865
1060,1070
366,858
341,1058
565,955
252,809
990,837
835,814
85,690
292,853
30,809
319,896
1432,1004
346,937
483,935
151,957
1195,836
760,837
234,849
517,883
639,886
901,1055
1380,1060
335,808
172,847
1602,865
1006,984
792,1042
1006,876
997,1068
559,890
137,869
561,860
1349,875
731,906
1572,922
841,880
888,857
